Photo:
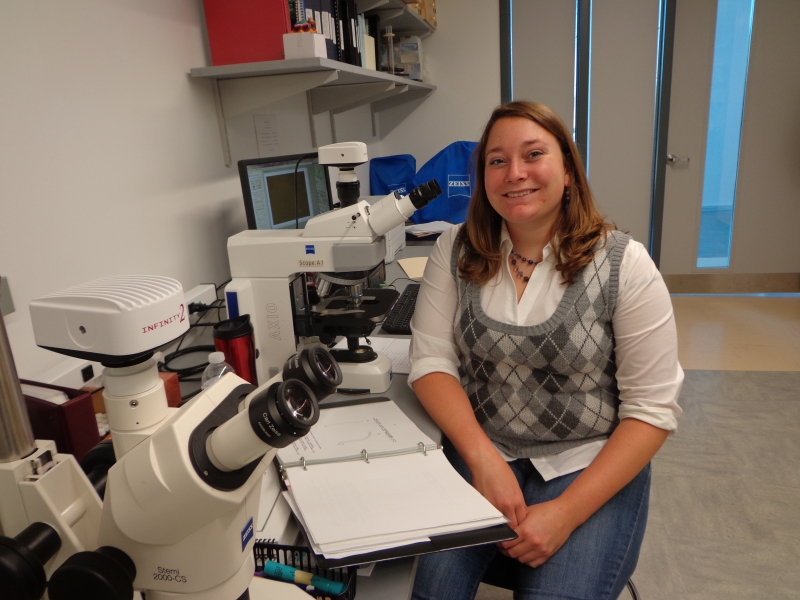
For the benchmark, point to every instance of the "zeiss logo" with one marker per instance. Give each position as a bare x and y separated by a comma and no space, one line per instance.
458,185
247,533
310,249
398,187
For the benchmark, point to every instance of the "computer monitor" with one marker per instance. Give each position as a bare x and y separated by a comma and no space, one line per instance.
268,187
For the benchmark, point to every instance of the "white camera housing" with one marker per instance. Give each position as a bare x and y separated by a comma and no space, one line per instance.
111,319
344,154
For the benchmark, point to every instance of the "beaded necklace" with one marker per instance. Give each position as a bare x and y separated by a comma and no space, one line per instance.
524,260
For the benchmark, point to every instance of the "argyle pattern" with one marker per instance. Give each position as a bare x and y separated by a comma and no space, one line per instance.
539,390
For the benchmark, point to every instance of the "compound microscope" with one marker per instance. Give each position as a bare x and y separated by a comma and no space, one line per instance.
177,516
307,286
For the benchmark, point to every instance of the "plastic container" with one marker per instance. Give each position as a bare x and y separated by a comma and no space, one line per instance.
300,557
217,367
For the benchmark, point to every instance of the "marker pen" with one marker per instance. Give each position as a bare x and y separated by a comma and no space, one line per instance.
276,570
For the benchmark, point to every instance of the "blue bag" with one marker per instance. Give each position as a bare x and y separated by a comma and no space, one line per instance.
453,169
391,173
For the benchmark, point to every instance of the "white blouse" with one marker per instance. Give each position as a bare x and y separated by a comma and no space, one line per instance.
646,349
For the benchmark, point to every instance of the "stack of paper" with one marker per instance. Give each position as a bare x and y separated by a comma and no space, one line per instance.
424,229
373,481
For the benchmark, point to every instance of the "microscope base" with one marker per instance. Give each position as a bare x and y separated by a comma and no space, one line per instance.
372,377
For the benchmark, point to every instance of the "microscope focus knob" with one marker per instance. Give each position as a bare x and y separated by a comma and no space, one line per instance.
105,574
22,560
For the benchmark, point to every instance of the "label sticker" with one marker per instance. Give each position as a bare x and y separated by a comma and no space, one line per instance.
312,262
247,533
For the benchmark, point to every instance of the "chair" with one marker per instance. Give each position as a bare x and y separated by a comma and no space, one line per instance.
501,574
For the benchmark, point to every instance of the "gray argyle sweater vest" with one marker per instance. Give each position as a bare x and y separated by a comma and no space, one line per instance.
542,389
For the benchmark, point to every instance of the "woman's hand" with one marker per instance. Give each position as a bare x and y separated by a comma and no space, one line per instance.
496,482
545,528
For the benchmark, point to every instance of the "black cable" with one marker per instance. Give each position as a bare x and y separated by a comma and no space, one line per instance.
399,278
199,368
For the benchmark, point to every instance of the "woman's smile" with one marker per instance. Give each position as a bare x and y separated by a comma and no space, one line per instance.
525,174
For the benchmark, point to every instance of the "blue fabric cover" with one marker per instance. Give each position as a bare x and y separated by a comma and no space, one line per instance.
391,173
453,170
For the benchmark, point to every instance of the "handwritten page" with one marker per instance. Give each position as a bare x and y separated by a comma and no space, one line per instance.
343,432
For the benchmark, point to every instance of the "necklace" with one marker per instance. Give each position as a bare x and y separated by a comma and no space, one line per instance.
516,255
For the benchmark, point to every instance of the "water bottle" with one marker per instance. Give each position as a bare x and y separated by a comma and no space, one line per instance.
217,367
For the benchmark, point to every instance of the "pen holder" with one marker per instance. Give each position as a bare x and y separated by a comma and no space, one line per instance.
299,557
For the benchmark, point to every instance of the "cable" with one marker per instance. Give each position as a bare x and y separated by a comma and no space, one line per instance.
184,372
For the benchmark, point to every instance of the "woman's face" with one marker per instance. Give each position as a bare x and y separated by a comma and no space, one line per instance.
525,174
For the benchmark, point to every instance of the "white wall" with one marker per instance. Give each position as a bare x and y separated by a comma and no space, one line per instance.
463,60
767,214
110,160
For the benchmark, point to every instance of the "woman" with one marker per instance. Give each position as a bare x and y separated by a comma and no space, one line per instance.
544,347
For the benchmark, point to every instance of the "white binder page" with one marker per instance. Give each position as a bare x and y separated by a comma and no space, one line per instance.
345,431
407,493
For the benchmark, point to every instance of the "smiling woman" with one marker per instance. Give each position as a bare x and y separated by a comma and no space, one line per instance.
530,175
544,347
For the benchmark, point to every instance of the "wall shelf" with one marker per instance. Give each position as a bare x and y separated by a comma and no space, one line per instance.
330,86
403,19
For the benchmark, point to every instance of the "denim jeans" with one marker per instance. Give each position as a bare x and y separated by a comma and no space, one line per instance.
595,563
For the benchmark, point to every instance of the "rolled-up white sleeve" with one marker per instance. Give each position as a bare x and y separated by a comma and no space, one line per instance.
648,373
433,347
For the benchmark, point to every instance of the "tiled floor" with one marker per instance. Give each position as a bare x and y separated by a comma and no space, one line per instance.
725,504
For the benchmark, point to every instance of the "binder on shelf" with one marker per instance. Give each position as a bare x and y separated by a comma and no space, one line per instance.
243,31
366,484
374,30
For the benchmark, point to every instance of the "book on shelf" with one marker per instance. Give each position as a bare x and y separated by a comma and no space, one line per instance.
366,484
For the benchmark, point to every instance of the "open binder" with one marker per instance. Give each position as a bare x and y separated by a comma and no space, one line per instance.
367,485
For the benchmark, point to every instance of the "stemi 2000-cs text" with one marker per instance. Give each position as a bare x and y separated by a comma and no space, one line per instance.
163,574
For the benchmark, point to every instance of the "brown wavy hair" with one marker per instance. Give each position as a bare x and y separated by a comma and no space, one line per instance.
578,227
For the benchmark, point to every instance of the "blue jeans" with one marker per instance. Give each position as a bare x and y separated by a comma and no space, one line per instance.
595,563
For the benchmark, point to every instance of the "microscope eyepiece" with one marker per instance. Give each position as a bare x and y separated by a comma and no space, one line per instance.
420,196
299,403
284,412
315,367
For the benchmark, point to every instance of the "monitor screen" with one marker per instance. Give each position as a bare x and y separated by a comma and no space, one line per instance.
269,185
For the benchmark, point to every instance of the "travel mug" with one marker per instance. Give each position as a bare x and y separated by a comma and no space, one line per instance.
234,337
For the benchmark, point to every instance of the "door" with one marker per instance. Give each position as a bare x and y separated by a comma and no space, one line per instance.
700,180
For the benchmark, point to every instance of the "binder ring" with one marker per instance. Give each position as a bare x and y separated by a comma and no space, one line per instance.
303,461
423,448
366,455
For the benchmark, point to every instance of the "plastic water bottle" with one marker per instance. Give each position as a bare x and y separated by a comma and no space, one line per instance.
217,367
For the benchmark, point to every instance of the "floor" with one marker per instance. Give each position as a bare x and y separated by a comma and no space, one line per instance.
725,503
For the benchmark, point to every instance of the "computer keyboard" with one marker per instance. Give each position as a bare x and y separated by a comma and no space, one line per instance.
399,319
